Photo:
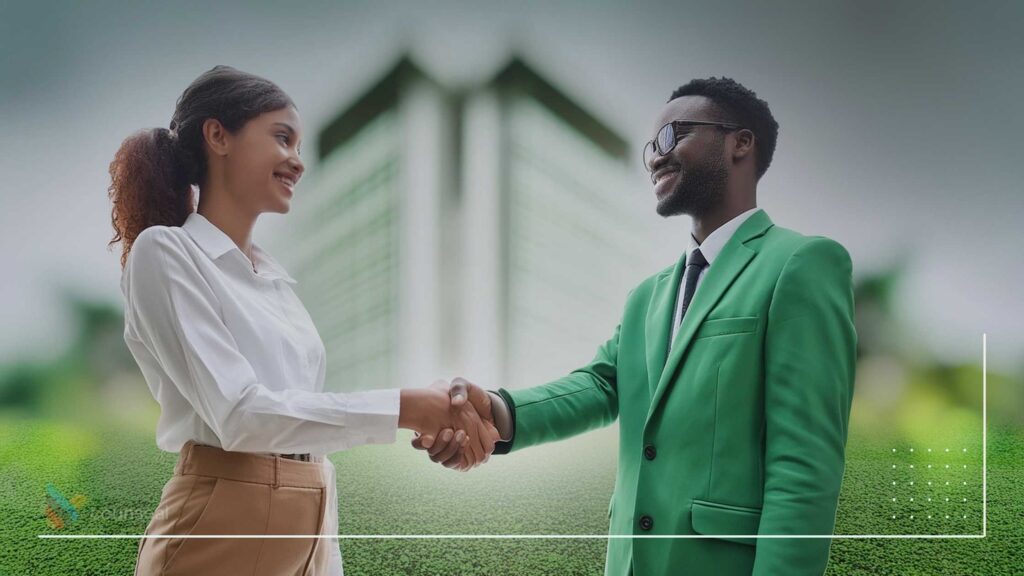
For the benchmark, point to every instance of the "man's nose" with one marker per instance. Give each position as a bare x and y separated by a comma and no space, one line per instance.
656,161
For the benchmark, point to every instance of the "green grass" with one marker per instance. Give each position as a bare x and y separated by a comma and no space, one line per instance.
562,488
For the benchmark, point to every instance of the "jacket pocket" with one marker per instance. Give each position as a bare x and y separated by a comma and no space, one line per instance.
725,521
725,326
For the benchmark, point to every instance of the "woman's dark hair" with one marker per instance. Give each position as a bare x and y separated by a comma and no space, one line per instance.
735,103
152,174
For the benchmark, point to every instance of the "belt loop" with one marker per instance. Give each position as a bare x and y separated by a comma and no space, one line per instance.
277,469
187,454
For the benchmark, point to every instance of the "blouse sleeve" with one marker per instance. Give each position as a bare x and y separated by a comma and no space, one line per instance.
177,317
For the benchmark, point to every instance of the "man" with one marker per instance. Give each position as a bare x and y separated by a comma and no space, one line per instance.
733,399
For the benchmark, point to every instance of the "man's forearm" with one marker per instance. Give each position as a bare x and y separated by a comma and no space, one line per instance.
583,399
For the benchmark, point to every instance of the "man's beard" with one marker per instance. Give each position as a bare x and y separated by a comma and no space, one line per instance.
700,190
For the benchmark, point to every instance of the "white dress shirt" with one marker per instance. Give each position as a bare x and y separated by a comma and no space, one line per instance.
710,248
232,355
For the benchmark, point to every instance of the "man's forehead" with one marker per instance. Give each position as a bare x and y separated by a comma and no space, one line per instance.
685,107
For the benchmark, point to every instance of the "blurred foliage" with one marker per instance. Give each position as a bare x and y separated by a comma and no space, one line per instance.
74,379
888,364
874,315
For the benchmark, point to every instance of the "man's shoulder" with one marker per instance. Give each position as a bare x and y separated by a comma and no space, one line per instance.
782,243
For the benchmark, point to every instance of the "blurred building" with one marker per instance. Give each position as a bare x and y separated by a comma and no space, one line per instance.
483,230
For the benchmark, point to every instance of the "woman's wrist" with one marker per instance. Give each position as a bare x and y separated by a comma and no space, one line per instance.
419,407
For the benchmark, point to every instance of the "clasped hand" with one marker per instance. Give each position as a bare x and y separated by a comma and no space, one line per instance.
454,423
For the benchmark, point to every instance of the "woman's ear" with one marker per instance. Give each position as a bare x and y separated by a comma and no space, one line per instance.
216,137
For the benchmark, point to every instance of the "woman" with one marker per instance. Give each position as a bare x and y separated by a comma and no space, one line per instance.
230,353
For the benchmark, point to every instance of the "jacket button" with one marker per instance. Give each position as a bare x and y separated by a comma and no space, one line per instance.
649,452
646,522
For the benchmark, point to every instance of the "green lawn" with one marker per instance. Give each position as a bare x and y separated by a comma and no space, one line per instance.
561,488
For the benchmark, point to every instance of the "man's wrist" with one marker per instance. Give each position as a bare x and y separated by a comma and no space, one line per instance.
502,416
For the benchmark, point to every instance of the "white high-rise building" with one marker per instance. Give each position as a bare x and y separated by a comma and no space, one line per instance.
486,231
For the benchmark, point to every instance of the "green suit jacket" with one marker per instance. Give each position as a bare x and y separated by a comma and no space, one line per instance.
740,430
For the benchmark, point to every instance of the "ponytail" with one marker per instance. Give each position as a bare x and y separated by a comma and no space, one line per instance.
149,185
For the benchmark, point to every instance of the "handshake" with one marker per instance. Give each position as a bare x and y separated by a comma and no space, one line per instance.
454,423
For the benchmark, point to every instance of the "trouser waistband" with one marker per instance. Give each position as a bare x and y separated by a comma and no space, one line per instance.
273,470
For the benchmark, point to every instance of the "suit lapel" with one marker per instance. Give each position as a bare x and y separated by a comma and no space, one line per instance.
659,321
730,262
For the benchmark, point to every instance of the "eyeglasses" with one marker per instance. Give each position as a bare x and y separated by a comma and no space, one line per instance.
669,136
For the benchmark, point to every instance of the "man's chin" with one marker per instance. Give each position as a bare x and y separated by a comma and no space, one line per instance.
669,206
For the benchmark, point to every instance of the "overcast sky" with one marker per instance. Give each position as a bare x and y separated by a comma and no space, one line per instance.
900,123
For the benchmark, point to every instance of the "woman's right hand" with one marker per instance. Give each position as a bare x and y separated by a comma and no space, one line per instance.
441,413
444,448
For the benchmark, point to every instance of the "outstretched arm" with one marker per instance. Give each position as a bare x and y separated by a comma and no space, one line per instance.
585,399
173,315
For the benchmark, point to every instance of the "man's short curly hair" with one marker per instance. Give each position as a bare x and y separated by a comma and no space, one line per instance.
737,104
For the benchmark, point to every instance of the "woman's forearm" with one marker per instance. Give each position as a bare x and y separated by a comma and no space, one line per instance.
419,409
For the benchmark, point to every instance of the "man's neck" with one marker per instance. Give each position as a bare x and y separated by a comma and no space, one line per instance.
705,224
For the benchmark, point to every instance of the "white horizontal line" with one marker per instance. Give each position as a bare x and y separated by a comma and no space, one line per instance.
508,536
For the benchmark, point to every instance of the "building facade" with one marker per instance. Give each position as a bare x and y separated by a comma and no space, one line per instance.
489,231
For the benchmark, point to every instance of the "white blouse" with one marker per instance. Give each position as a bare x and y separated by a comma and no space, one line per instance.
231,355
233,358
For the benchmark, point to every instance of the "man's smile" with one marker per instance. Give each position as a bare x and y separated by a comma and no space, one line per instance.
664,180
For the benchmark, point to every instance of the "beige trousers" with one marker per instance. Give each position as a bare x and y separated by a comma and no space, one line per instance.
213,491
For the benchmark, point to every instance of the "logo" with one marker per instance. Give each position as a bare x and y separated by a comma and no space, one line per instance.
60,511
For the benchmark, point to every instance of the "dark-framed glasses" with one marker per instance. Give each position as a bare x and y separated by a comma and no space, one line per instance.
670,134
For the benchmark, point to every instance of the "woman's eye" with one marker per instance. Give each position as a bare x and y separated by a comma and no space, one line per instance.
285,138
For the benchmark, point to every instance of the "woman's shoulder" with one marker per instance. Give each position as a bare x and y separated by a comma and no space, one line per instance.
155,248
158,237
161,258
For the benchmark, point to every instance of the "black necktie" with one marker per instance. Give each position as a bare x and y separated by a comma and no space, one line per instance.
694,264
